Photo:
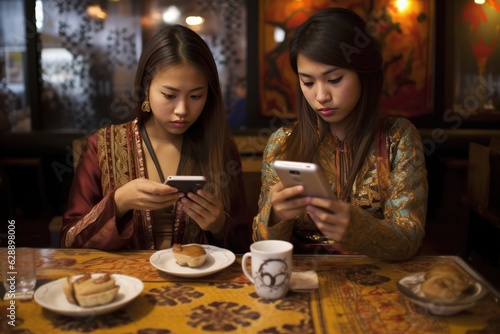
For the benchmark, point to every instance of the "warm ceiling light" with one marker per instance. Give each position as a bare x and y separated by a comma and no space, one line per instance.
171,15
96,12
479,2
194,20
402,4
279,35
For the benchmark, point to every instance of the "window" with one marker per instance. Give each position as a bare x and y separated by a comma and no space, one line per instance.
88,53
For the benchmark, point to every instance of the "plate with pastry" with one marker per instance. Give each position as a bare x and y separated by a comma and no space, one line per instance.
444,289
192,260
88,294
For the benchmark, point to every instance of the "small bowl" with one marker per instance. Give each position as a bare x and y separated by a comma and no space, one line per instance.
409,287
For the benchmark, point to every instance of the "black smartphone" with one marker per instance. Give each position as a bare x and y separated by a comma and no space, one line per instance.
186,183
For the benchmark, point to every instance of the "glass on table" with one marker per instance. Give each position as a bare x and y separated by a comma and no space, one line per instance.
18,272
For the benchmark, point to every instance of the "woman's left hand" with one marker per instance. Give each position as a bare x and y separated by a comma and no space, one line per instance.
332,217
206,210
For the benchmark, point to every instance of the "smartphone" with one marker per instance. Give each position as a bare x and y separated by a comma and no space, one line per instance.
293,173
186,183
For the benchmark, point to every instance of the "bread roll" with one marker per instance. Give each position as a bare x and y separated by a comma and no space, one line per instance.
89,292
446,282
443,268
192,255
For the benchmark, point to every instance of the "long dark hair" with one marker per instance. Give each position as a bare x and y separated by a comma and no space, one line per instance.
337,37
207,144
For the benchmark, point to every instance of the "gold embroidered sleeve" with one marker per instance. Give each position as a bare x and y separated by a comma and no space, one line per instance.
261,230
398,234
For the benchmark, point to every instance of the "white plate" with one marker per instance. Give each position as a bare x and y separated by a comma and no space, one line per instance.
216,260
409,287
51,296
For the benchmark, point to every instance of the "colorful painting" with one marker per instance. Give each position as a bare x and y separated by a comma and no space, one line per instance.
477,50
405,34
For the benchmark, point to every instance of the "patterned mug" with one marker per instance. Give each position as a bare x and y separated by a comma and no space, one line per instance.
271,267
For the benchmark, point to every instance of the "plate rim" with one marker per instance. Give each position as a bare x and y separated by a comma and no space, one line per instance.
195,272
86,311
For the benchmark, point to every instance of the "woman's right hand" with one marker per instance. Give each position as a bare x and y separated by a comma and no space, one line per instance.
144,194
284,205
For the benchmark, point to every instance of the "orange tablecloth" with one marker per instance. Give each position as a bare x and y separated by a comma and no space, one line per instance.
356,294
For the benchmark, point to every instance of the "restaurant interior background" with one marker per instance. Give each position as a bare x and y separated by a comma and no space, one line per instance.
67,69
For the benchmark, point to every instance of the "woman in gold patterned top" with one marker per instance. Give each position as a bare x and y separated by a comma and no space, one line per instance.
375,166
118,199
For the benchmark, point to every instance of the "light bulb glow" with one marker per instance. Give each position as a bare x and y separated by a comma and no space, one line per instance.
279,35
39,14
194,20
171,14
96,11
402,4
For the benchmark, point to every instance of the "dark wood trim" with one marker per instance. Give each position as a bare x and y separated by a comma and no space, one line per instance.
33,77
38,143
253,114
439,81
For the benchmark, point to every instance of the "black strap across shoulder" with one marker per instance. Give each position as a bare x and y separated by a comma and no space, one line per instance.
152,153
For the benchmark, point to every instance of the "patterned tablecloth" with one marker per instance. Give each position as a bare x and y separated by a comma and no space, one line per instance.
356,294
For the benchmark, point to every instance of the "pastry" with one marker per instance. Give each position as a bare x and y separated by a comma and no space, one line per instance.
191,255
87,291
446,282
443,268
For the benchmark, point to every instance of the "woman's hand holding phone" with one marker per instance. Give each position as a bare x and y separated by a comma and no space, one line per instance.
332,217
304,189
286,202
143,194
204,208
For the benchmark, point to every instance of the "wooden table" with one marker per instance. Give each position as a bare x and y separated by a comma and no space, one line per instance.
356,294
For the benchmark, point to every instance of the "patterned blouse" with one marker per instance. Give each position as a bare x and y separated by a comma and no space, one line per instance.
390,229
114,156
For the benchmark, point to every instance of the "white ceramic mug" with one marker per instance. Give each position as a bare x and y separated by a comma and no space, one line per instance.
271,267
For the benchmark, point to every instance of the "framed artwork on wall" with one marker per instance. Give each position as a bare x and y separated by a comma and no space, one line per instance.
405,34
476,69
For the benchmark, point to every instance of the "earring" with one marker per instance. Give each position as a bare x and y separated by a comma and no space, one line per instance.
145,106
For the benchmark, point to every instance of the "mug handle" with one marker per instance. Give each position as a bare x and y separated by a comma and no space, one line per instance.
244,267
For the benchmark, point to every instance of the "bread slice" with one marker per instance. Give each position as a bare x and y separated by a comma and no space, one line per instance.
96,299
192,255
68,291
87,291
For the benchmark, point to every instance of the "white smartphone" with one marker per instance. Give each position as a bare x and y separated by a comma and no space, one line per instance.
186,183
293,173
